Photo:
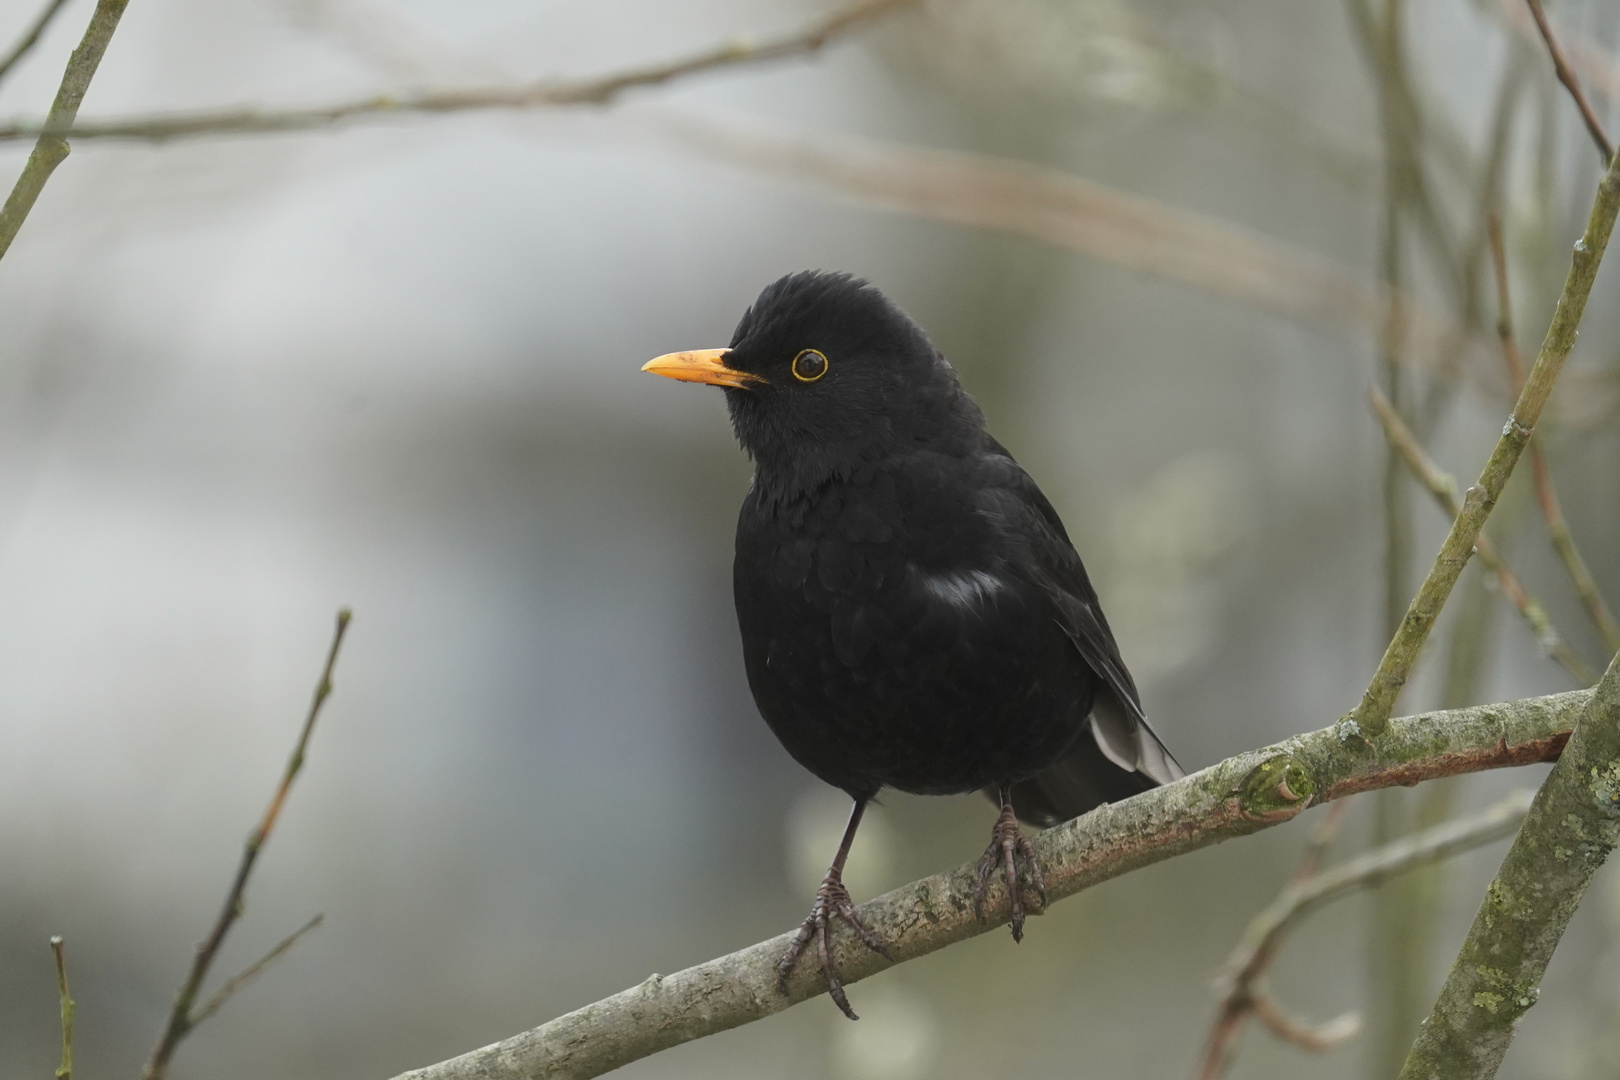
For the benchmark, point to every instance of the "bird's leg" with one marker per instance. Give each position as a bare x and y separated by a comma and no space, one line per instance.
1007,843
832,899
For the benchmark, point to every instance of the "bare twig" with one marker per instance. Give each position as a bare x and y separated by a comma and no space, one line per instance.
65,999
596,90
30,37
1242,981
182,1019
1565,838
1243,794
51,148
1370,717
1443,487
1563,541
1567,77
251,972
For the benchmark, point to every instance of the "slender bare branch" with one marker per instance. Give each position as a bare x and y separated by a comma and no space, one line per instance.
30,37
1443,487
1572,826
1242,980
596,90
1563,541
1371,716
1240,795
1567,77
182,1018
51,147
64,1071
251,972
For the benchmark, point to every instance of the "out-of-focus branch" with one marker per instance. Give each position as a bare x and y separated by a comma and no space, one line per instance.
1242,981
1572,826
1240,795
1567,77
30,37
597,90
1370,717
51,148
64,1071
183,1018
251,972
1128,230
1563,541
1443,486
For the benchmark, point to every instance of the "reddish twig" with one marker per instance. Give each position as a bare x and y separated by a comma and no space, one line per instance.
182,1019
1567,77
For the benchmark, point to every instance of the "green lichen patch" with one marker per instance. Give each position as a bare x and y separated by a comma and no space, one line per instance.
1277,787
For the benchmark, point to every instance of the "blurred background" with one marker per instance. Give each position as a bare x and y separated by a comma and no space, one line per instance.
393,365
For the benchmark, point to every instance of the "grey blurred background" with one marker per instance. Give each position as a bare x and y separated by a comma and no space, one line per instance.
394,366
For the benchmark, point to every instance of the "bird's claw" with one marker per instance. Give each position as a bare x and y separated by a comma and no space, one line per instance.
832,899
1007,845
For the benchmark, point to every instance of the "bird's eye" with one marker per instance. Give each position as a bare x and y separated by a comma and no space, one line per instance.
809,366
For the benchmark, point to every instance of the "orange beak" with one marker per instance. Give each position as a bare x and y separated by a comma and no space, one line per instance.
703,366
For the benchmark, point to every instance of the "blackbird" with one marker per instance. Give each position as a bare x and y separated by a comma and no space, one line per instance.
913,614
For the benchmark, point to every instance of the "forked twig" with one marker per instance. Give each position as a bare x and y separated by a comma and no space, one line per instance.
182,1019
1443,487
1563,541
1243,978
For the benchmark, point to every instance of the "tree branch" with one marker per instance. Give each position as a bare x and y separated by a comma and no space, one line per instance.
30,37
596,90
1567,77
1371,716
182,1019
1563,541
1444,489
1572,826
1243,978
65,1000
51,148
1246,793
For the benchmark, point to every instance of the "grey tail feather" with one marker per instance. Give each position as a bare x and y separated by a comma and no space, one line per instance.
1116,758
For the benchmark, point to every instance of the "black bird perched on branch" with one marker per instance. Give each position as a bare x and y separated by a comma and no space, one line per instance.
913,614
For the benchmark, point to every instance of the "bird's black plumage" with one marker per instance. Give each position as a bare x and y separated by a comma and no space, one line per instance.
913,614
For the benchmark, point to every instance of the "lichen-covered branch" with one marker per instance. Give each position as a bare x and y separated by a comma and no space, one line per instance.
1572,826
1243,980
51,148
1444,489
1240,795
1371,717
597,90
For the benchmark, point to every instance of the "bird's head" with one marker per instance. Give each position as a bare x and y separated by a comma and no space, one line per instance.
825,372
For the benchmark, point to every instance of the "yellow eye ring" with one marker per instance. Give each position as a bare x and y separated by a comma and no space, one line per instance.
810,365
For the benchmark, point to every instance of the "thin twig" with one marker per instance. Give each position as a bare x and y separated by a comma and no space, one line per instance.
1242,981
182,1019
1240,795
30,37
251,972
1563,541
1564,839
1567,77
1371,716
51,148
1443,486
596,90
65,999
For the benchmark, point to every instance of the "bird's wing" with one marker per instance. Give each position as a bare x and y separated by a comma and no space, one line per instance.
1118,723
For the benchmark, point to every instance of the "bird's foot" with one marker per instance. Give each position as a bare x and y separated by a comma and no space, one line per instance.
832,899
1007,846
